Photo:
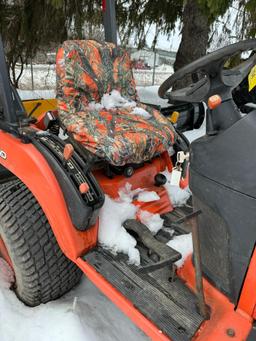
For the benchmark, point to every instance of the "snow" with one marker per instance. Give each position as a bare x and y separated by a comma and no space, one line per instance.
115,100
177,195
165,68
84,314
112,235
141,112
6,274
126,194
44,76
147,196
183,244
95,106
153,221
192,135
149,95
36,94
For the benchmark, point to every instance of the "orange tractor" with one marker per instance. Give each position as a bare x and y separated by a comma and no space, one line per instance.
52,191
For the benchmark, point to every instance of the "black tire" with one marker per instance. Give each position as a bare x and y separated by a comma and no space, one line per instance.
42,272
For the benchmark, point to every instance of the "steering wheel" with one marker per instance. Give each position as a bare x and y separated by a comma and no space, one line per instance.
217,79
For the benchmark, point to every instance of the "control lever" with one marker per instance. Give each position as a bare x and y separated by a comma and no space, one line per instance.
68,152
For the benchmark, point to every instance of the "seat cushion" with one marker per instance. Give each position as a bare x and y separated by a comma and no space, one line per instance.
86,70
120,137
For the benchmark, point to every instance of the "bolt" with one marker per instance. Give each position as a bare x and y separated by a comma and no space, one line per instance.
230,332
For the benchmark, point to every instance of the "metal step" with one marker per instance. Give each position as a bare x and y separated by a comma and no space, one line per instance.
168,304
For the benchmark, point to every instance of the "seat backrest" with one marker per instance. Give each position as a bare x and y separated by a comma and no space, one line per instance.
87,69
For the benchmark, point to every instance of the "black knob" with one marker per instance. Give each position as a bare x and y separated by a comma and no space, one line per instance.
160,179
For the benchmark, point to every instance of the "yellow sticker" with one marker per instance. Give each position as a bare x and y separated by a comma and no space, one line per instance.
252,78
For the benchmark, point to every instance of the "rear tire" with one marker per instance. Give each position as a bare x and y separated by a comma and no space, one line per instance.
42,271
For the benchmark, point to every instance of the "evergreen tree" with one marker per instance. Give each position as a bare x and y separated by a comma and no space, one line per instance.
28,25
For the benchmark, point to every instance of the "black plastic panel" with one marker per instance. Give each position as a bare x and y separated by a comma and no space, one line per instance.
227,232
230,157
83,208
223,182
215,246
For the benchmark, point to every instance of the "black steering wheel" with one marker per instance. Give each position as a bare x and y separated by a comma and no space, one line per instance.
216,79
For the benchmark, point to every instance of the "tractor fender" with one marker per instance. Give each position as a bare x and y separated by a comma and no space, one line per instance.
29,165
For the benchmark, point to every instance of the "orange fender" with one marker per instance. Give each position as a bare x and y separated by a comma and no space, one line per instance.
29,165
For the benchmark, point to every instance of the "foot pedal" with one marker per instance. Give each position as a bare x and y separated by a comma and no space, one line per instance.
178,222
166,255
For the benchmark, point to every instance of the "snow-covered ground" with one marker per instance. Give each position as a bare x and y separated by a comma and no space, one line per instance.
147,94
192,135
36,94
84,314
44,76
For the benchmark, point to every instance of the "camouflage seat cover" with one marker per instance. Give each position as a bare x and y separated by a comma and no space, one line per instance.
86,70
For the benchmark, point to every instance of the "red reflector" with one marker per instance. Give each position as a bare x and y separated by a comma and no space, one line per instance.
103,5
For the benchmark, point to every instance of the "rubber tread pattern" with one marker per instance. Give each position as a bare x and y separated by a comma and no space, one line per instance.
42,271
177,321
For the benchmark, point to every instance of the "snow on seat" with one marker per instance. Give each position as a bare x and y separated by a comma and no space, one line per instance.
132,133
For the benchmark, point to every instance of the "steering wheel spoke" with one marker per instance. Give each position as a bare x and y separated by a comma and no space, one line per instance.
193,92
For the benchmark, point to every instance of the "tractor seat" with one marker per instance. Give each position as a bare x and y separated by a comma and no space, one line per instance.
86,70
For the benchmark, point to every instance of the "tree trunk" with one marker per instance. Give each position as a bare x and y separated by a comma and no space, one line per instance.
194,40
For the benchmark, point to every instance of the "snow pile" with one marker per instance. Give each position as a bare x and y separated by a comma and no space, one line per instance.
112,235
126,194
153,221
92,106
115,100
183,244
141,112
147,196
177,195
